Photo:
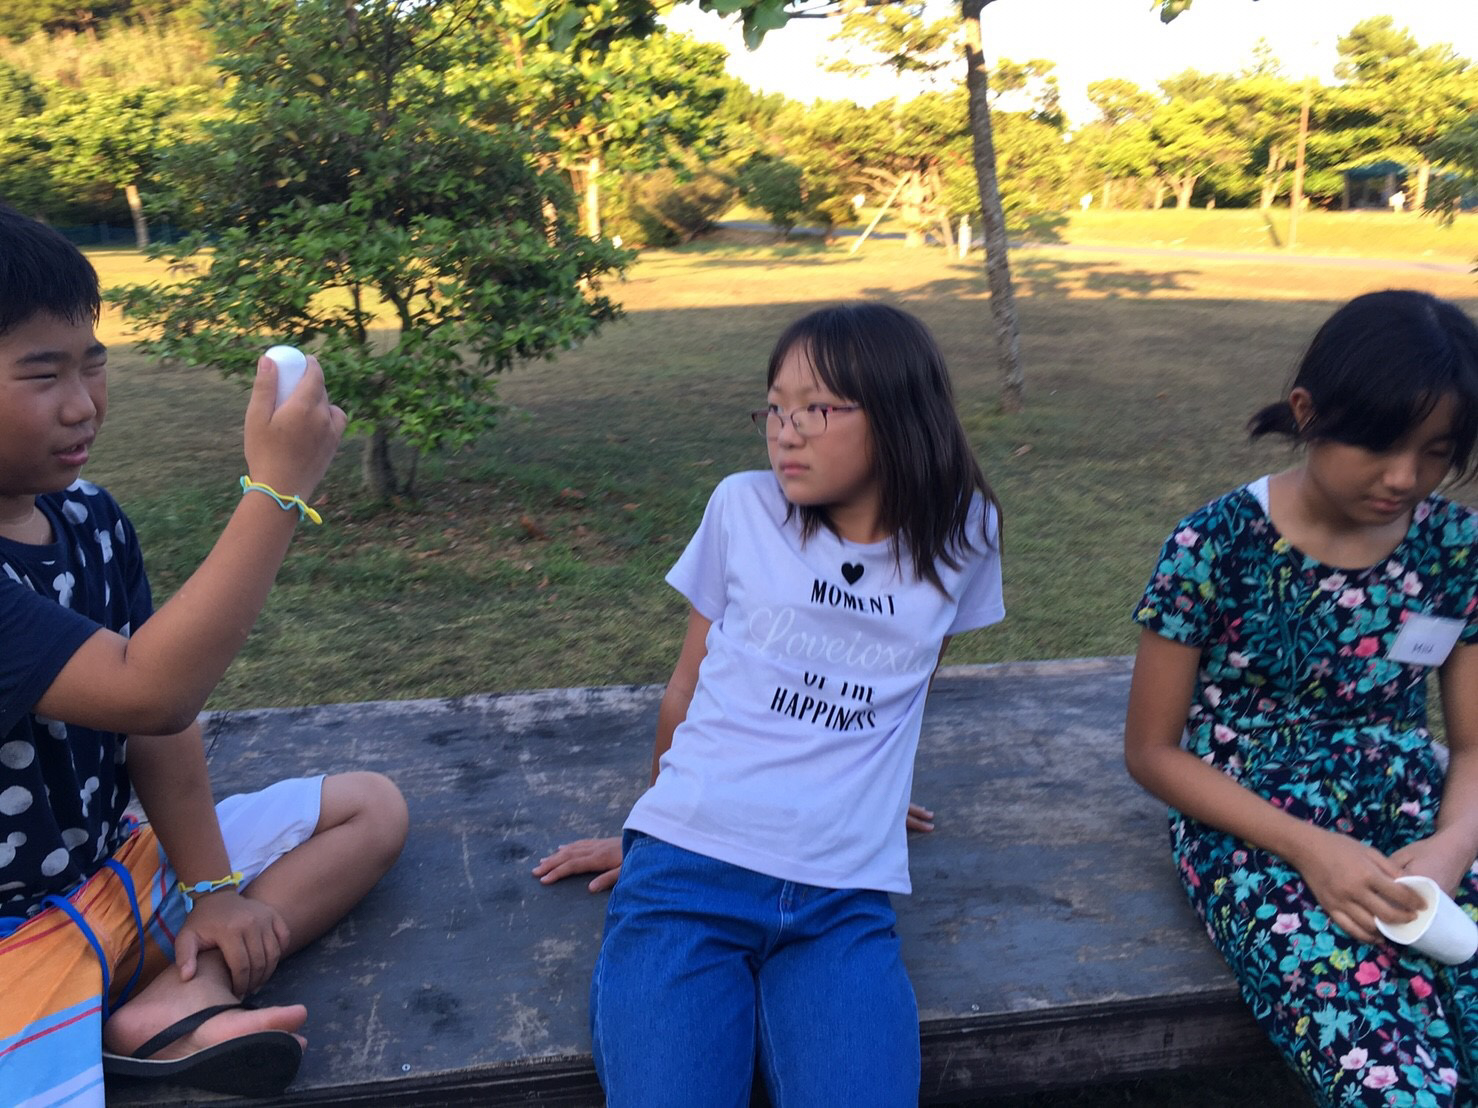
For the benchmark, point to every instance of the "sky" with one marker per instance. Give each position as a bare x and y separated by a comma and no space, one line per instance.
1092,39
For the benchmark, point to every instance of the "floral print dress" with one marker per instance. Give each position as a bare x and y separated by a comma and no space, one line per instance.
1297,699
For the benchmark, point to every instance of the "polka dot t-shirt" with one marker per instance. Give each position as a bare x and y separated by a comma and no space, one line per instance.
63,788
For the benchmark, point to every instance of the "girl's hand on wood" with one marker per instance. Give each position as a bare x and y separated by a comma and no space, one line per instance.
919,818
1355,883
598,856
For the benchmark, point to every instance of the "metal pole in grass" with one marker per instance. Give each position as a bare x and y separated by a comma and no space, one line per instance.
881,212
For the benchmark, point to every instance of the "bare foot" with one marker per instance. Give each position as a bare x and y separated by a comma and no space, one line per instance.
136,1022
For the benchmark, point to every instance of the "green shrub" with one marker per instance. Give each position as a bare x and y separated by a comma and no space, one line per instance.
776,187
666,206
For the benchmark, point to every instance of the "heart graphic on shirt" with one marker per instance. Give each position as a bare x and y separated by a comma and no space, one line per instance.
852,571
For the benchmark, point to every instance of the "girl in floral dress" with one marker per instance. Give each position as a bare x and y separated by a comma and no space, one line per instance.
1288,632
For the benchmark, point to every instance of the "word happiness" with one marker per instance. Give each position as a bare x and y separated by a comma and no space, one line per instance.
831,714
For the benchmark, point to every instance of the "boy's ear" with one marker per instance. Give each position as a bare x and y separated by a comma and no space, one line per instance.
1301,404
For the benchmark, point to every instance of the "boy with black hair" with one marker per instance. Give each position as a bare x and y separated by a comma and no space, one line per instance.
98,699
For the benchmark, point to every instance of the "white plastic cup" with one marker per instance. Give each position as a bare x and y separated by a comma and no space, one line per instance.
1442,931
291,365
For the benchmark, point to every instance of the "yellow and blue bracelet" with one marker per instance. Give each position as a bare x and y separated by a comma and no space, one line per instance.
286,503
200,888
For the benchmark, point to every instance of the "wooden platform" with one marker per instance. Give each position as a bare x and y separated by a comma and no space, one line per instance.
1047,938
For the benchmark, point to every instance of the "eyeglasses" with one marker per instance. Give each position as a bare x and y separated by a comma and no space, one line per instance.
808,422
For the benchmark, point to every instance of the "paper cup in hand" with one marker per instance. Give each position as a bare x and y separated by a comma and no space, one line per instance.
1442,931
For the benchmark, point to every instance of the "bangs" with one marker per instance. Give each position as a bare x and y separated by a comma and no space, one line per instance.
42,272
831,351
1383,380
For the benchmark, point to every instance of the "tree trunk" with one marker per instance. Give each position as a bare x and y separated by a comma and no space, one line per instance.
1183,189
592,196
136,209
1296,195
911,207
1423,182
1159,201
377,474
993,220
1269,191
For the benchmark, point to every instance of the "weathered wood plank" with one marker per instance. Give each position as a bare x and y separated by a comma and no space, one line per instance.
1047,938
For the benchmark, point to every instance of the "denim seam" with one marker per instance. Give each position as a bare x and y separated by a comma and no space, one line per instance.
767,1051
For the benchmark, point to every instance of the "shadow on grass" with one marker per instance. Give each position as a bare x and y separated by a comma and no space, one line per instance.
1044,229
746,257
1267,222
1047,278
1059,277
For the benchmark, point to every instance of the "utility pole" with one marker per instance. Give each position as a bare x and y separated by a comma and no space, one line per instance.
1296,198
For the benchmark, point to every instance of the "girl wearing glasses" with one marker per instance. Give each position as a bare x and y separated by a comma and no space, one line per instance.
752,918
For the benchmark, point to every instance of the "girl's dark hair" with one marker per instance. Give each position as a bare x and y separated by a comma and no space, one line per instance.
1378,367
40,271
887,361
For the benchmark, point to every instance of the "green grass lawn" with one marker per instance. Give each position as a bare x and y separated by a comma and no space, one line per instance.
1370,234
1352,234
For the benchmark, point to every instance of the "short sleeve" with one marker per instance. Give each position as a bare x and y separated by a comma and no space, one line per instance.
139,601
981,602
1179,602
37,638
701,573
1460,537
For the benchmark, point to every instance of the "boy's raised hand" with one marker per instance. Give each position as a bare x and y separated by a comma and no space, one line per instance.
601,857
250,935
289,448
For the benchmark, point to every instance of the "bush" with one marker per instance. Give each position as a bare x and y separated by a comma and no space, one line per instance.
666,207
775,187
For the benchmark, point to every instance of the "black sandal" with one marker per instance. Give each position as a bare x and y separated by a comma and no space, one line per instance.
262,1063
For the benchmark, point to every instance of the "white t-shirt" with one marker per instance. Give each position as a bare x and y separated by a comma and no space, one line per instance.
796,756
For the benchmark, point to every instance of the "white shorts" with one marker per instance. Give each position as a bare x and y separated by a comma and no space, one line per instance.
261,827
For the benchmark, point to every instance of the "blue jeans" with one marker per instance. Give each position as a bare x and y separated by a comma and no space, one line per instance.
702,961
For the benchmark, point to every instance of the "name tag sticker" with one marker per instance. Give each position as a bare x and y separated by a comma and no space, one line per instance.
1425,640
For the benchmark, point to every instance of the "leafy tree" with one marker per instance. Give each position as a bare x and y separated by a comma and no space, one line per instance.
1414,95
1417,93
20,96
910,43
25,181
630,99
823,140
918,44
1192,134
19,18
96,113
1033,164
347,182
1455,154
672,206
172,52
102,140
1263,110
1118,145
776,187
